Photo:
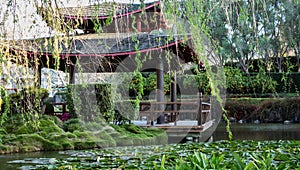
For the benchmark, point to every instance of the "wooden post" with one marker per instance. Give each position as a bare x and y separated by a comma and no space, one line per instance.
152,115
173,90
71,70
139,24
39,75
200,109
71,74
160,89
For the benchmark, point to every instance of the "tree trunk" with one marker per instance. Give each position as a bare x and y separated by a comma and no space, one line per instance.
297,50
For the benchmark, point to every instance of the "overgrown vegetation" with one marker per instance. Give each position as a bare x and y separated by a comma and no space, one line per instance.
264,109
256,84
217,155
146,83
26,101
232,33
89,101
49,133
25,129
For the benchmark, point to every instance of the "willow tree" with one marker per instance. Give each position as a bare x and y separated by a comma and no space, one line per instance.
290,27
49,39
247,30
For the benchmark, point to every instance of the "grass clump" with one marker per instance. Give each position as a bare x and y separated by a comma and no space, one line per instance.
140,136
72,125
27,133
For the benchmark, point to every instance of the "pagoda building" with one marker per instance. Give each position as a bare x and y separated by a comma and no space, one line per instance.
101,36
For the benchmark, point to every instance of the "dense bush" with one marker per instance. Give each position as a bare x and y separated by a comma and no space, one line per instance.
235,81
28,100
279,110
239,83
240,110
125,111
72,124
288,82
146,83
18,134
261,82
199,81
89,102
265,110
257,83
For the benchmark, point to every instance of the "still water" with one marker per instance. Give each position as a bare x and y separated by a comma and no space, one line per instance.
268,131
239,131
27,158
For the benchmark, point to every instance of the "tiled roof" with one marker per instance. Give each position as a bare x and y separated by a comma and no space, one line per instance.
106,45
103,10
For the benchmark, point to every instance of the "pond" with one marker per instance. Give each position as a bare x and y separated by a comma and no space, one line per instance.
264,131
136,155
23,159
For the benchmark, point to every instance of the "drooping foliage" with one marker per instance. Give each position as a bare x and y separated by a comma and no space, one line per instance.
213,33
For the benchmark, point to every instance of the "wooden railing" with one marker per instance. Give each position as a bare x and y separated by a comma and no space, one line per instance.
12,90
171,110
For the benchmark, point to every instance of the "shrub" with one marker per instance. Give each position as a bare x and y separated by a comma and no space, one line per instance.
89,102
72,125
199,81
238,82
47,126
28,100
265,110
280,110
64,116
146,83
235,81
240,110
125,111
49,108
287,82
15,121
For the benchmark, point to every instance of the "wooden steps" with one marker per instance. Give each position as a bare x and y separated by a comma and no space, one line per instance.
184,130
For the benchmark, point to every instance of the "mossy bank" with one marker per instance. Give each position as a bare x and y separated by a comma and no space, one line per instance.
48,133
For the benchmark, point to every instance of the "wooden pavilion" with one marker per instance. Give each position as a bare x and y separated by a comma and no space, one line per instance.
116,42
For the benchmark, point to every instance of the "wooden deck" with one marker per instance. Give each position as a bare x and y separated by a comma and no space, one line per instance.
176,124
183,129
176,128
182,126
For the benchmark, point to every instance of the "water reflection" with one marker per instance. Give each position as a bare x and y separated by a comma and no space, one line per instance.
240,132
269,131
29,157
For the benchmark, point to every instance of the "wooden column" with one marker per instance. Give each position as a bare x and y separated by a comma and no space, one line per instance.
71,74
173,91
39,69
71,70
139,24
199,109
160,89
